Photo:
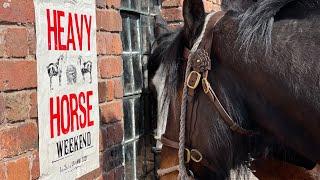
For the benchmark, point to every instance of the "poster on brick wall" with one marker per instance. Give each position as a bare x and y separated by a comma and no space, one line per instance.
68,107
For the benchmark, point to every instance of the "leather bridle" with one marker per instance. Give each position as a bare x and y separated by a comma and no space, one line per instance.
200,62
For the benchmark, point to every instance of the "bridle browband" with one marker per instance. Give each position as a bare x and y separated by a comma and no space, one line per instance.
200,64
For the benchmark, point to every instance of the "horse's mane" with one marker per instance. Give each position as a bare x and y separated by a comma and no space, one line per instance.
256,22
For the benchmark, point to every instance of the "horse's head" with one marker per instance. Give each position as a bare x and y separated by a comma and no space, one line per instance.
167,66
61,57
206,129
167,55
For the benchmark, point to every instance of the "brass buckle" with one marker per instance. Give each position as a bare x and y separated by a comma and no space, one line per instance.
193,86
205,85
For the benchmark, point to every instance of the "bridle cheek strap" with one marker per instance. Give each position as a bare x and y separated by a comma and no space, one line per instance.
201,65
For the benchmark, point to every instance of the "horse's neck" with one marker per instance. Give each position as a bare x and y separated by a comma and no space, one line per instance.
280,89
58,63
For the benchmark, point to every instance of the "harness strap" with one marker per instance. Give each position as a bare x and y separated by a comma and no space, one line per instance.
225,116
175,145
162,172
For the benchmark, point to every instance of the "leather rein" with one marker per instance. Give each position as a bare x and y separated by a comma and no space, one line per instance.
200,63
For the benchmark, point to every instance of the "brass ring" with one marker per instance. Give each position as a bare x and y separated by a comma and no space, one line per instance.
205,85
188,154
198,156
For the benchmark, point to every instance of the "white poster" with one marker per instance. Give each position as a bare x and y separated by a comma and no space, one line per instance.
68,108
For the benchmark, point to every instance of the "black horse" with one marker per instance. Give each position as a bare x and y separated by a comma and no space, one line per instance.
265,70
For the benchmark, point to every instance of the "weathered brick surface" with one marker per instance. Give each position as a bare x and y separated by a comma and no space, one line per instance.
102,87
213,1
101,140
17,106
209,6
112,134
92,175
172,3
18,75
111,112
109,20
18,139
114,158
114,44
2,43
16,42
113,3
32,41
109,43
21,11
19,169
110,89
115,174
2,108
35,168
101,43
172,14
2,171
118,88
33,113
110,66
100,3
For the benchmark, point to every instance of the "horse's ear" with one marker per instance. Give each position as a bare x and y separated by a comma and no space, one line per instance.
161,27
194,16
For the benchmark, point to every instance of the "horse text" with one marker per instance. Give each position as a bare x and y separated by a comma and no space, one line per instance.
74,30
70,112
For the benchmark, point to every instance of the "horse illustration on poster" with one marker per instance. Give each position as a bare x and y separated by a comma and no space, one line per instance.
55,70
86,68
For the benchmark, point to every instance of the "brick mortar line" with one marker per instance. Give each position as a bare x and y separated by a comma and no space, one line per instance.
170,7
19,90
113,32
24,154
114,77
15,24
17,124
107,7
110,124
109,55
113,101
31,58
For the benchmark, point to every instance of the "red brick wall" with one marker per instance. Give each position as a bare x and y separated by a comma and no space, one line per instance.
18,91
172,10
